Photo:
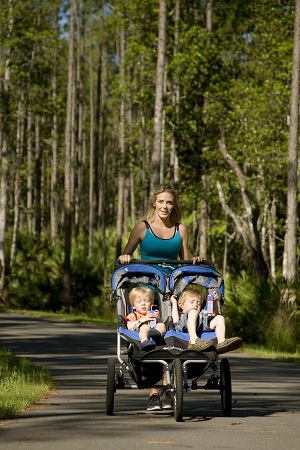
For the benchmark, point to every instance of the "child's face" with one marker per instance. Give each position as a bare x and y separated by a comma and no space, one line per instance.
190,303
142,303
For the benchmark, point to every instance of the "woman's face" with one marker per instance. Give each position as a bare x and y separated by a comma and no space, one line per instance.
164,204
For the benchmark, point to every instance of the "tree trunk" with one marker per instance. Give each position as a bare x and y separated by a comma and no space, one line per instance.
5,131
162,146
78,194
93,152
121,178
144,153
132,199
30,188
18,180
103,181
158,115
174,166
54,199
289,269
68,171
204,219
272,240
38,177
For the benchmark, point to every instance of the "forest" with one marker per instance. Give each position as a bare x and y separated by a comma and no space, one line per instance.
102,101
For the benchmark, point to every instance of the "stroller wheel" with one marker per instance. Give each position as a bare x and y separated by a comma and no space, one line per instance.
225,387
110,387
178,390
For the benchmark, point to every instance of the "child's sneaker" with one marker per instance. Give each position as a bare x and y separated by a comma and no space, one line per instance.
154,403
201,344
228,345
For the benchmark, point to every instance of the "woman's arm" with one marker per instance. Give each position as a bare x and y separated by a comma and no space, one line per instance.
136,235
184,251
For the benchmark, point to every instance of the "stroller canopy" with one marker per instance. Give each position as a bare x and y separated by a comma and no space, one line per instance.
205,276
138,273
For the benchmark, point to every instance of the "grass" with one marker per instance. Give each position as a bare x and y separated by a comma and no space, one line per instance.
76,318
263,352
21,384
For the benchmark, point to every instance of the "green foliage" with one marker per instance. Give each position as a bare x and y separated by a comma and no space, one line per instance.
282,334
241,307
254,312
35,280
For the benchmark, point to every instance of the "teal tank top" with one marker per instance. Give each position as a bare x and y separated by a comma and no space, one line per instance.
153,247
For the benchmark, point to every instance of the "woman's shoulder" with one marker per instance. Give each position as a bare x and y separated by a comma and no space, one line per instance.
182,227
141,225
139,228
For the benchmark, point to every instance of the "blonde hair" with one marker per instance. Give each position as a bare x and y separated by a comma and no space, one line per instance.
140,290
176,212
190,293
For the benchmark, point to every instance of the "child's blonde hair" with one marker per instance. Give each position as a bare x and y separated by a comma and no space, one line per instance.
140,290
190,293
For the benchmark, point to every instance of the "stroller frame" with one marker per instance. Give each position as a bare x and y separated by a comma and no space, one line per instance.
183,367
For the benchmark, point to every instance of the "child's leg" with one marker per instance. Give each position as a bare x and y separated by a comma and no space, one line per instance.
144,332
218,324
192,324
224,345
161,328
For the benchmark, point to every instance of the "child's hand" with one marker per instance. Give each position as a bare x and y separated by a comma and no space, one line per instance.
216,296
146,318
156,314
173,299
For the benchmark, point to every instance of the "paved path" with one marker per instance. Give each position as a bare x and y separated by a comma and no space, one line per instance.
266,412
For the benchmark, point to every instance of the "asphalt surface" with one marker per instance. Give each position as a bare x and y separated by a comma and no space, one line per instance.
266,399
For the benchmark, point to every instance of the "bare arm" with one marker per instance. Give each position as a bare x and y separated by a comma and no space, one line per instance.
136,235
184,251
132,321
174,306
217,298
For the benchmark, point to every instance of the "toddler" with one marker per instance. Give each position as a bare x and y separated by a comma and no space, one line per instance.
190,304
142,299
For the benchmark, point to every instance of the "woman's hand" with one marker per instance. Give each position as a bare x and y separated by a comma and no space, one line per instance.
124,259
198,259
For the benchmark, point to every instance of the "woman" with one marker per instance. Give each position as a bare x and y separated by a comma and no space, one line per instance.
160,236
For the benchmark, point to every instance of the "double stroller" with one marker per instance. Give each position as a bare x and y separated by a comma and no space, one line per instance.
184,368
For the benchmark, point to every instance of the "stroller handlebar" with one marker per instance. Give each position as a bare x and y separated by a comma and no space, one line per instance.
204,262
